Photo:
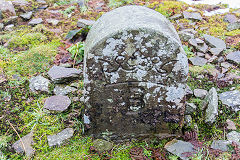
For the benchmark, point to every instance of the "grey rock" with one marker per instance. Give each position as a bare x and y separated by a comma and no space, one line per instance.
198,61
233,26
63,90
214,42
200,54
230,18
102,145
188,91
220,145
211,104
192,15
9,27
1,26
199,45
190,108
35,21
85,22
185,36
188,120
7,6
230,125
20,3
216,51
116,38
27,142
27,16
11,20
1,15
66,65
234,56
200,93
39,83
41,2
60,74
57,103
54,22
179,147
233,136
176,16
231,99
226,65
59,138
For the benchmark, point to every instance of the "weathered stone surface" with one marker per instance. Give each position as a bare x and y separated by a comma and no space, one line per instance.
63,90
233,26
59,138
27,16
198,61
84,22
35,21
54,22
179,147
192,15
216,51
102,145
188,120
188,91
234,56
234,137
220,145
185,36
9,27
211,104
176,16
57,103
11,20
7,6
61,74
27,142
231,99
199,45
230,18
20,3
200,93
214,42
135,71
230,125
190,108
39,83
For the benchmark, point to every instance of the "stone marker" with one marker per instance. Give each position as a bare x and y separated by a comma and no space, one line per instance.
135,71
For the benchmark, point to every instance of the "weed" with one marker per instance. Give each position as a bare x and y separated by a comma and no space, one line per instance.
77,52
68,11
188,51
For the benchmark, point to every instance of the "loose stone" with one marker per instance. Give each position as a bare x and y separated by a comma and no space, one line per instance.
230,125
27,16
192,15
57,103
35,21
230,18
39,83
233,26
63,90
216,51
190,108
58,139
220,145
231,99
7,6
200,93
102,145
198,61
214,42
234,56
84,22
234,137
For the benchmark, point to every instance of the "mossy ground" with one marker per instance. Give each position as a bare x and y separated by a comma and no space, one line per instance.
31,51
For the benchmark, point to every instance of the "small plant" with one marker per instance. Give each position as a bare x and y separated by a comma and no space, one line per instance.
68,11
77,52
188,51
118,3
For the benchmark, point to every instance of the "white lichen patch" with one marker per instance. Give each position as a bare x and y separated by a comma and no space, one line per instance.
181,65
175,94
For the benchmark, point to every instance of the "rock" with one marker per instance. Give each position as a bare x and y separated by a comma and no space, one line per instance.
1,15
62,74
188,91
211,104
188,120
190,108
57,103
20,3
27,142
234,137
1,26
66,65
200,54
27,16
230,18
230,125
81,3
63,90
35,21
176,16
233,26
185,36
41,2
226,65
231,99
102,145
7,6
59,138
117,61
198,61
192,15
179,147
84,22
234,56
216,51
39,83
214,42
199,45
220,145
54,22
11,20
200,93
9,27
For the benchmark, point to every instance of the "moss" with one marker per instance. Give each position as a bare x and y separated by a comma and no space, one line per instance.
233,33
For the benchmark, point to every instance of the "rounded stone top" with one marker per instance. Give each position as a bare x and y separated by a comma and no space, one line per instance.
129,18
